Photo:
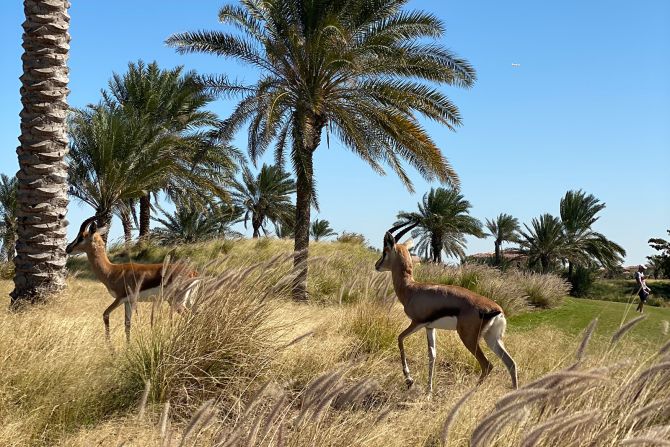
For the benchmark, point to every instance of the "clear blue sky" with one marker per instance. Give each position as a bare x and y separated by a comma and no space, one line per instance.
588,108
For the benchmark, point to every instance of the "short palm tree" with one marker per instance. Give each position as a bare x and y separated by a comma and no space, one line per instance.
584,246
321,229
171,102
265,197
190,225
8,218
361,70
107,166
503,228
544,241
442,221
42,179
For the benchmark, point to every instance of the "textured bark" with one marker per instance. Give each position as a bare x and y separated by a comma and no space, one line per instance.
127,224
42,194
145,216
104,219
436,246
498,259
308,139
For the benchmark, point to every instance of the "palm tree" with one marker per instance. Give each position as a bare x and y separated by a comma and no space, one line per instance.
42,177
544,242
265,197
442,222
321,229
190,225
107,166
172,102
8,218
361,70
584,246
503,228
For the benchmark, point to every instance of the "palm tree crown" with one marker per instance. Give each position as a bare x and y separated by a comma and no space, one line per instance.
321,229
503,228
172,102
189,225
355,68
584,246
443,221
265,197
543,241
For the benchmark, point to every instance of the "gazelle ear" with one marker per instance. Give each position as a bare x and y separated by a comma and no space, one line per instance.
92,228
409,244
389,240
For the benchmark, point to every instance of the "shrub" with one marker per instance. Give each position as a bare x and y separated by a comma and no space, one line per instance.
226,342
375,327
351,238
582,281
541,290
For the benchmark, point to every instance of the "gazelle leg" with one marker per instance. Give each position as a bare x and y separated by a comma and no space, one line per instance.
471,341
105,315
432,352
498,349
413,327
128,317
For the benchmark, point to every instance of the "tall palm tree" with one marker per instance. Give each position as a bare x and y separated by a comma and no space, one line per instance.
265,197
8,218
42,191
189,225
172,102
584,246
442,221
503,228
321,229
544,241
360,69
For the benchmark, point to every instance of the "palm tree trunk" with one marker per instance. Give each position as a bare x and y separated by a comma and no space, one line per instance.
127,227
104,219
145,216
497,244
570,269
436,247
303,205
307,138
42,192
545,264
256,225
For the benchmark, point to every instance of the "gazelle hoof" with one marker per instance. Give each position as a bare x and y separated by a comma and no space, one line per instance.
409,382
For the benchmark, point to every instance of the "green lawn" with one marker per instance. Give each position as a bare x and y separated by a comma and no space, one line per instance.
576,313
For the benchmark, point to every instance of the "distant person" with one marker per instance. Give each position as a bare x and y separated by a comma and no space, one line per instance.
643,291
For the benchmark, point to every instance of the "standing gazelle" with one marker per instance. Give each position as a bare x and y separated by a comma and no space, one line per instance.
127,282
443,307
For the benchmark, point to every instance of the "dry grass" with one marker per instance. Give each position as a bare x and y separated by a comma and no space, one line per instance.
249,367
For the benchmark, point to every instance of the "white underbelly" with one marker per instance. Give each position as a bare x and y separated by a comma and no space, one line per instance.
447,323
148,294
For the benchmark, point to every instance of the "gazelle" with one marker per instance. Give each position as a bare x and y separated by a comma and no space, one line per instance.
443,307
130,282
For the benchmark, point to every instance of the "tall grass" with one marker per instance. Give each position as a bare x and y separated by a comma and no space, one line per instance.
250,367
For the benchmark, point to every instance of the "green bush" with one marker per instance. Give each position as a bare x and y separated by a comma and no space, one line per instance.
582,281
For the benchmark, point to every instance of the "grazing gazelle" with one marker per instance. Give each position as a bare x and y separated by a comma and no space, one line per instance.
127,282
443,307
